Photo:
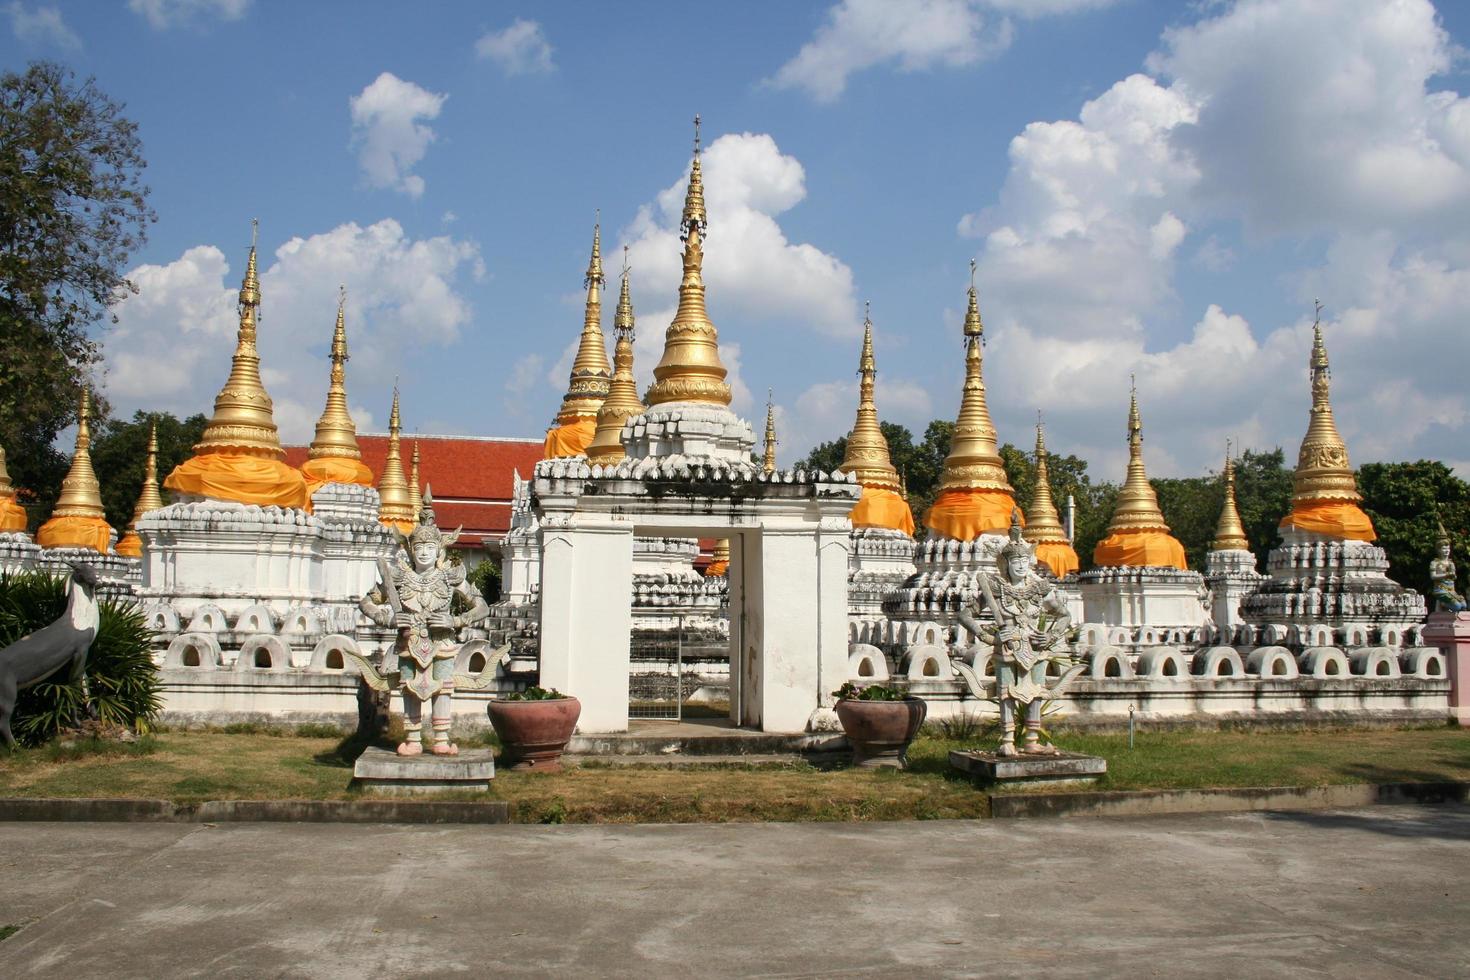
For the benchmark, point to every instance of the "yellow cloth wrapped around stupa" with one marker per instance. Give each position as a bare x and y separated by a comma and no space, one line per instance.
76,531
569,439
130,545
1325,495
247,479
1059,557
335,469
1139,548
880,507
12,516
78,520
965,513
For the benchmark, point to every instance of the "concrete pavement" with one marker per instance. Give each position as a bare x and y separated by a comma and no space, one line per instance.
1377,892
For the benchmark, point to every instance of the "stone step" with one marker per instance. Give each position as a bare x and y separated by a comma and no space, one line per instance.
773,760
681,741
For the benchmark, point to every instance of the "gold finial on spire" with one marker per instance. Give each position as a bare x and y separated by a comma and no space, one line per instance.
690,369
1322,470
1229,531
1043,523
81,494
768,465
415,493
243,421
974,460
1138,505
336,435
395,502
867,450
622,401
591,373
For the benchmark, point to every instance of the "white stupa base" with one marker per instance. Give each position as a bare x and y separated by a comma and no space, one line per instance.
697,432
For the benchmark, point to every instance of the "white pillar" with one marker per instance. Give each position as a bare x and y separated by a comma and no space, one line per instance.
586,614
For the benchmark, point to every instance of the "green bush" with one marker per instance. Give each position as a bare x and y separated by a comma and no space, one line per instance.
120,672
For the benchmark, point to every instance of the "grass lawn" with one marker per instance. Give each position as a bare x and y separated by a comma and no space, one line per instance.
196,766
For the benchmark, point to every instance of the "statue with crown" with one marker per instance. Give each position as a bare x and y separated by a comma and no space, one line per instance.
416,595
1027,629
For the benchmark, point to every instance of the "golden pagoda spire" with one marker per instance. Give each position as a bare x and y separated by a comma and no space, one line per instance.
243,421
149,498
81,494
1322,469
622,401
690,369
1138,506
591,373
1229,532
867,451
13,517
973,460
1042,521
336,435
415,493
769,464
395,504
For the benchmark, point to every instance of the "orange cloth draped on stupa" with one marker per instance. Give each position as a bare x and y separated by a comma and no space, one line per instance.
240,457
1043,525
1325,495
720,559
12,515
78,520
591,377
1138,534
569,439
867,456
975,494
334,456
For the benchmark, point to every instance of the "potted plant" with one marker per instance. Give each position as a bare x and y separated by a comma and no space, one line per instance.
880,722
534,727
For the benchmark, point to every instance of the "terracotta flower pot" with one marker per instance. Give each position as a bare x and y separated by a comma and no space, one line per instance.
880,731
534,733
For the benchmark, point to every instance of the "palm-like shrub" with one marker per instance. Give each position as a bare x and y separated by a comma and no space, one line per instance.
121,676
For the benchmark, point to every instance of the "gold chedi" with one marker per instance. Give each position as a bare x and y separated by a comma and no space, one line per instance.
78,520
13,518
591,377
415,488
867,455
130,545
719,559
975,495
768,464
1325,496
1043,524
622,401
240,456
690,369
1229,531
395,504
1138,535
334,456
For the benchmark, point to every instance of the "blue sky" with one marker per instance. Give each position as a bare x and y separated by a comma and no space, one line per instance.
1149,188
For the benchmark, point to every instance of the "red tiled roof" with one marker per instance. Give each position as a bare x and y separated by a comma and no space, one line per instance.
470,476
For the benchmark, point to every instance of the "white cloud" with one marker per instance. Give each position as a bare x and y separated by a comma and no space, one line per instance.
44,25
826,410
170,348
914,35
750,267
520,49
387,132
163,14
524,376
1307,120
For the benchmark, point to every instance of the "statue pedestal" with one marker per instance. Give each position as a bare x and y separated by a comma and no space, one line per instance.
1062,769
1450,632
385,771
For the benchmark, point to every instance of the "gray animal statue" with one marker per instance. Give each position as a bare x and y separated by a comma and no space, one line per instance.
36,656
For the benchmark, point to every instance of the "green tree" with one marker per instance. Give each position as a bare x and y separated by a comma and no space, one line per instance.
72,210
120,450
1406,502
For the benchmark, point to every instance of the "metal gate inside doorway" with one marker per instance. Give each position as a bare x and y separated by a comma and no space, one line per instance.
657,684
